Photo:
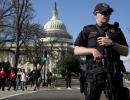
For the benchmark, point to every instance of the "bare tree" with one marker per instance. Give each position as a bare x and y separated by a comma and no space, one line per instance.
22,17
5,22
33,48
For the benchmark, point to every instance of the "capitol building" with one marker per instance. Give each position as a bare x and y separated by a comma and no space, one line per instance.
55,37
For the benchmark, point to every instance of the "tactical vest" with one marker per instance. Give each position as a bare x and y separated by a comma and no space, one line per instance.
93,33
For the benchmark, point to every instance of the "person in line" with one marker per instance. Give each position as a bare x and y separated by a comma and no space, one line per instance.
18,79
37,79
53,80
99,42
68,79
24,78
49,79
12,80
32,77
2,78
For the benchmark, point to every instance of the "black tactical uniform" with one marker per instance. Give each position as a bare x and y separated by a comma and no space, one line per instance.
105,75
95,75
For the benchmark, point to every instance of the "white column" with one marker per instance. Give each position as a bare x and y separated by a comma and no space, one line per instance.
5,59
11,60
22,59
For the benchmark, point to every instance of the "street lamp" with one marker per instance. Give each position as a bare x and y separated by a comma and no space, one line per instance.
45,59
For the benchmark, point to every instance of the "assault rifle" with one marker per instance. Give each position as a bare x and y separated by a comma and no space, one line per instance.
111,70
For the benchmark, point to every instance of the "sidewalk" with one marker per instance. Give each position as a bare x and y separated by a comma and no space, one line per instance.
6,93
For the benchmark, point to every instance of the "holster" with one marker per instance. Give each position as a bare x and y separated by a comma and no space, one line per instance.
89,86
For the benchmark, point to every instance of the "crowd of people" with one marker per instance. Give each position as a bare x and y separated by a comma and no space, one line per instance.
19,79
13,79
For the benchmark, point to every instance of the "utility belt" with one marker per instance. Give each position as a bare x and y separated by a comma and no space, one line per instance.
95,68
92,67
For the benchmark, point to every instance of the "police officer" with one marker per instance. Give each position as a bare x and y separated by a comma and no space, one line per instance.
91,42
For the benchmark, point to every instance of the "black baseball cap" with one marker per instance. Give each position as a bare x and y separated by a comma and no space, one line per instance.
102,7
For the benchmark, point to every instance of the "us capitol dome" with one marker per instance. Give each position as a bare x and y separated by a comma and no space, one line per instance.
55,28
56,38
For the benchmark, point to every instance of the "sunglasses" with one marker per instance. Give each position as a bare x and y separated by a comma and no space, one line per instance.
105,13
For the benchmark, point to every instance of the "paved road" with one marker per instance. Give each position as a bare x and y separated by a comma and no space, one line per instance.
46,94
57,93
